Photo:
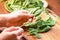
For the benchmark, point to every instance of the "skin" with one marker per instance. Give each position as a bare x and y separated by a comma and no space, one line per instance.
15,18
12,33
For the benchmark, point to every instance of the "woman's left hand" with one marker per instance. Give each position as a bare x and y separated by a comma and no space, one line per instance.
12,33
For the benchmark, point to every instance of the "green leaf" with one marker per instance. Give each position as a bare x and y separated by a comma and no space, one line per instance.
41,23
33,31
44,29
46,11
50,21
38,36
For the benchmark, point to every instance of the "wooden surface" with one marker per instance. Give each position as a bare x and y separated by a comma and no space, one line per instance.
54,5
53,34
2,9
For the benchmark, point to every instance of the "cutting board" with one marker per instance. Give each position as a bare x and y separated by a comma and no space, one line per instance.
53,34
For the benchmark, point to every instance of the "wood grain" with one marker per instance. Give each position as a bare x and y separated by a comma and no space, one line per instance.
53,34
54,5
2,9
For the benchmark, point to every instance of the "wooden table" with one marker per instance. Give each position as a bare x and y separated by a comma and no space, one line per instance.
2,9
53,34
54,5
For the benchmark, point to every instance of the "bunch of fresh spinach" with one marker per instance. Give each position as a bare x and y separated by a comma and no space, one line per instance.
38,25
13,5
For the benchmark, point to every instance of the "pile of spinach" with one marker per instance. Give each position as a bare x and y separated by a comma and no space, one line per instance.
39,26
13,5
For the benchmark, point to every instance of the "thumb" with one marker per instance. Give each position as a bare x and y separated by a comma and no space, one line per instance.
18,32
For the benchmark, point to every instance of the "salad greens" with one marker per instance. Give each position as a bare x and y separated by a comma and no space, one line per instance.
38,25
34,7
13,5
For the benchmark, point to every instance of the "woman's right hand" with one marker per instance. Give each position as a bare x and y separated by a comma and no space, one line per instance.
15,18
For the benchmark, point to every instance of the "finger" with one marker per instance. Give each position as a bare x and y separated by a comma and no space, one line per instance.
18,32
28,15
11,36
2,28
20,12
20,37
23,11
11,29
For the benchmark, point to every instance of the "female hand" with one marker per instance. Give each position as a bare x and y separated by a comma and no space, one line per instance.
15,18
12,33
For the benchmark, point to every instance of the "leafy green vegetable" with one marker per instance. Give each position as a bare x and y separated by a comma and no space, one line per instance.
33,31
39,25
13,5
46,10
